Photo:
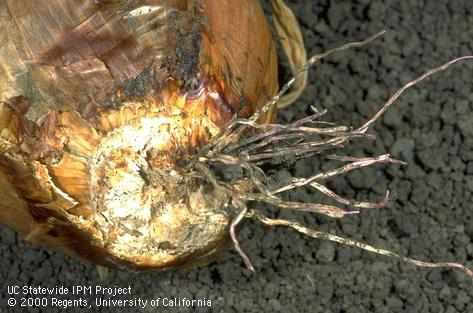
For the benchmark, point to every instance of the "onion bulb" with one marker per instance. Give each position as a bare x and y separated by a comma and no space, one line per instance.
102,105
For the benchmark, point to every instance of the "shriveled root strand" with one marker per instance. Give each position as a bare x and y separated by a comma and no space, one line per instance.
358,163
318,234
329,210
237,219
401,90
299,149
236,243
350,202
273,130
269,133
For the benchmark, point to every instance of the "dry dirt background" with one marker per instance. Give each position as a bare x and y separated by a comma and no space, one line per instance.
431,218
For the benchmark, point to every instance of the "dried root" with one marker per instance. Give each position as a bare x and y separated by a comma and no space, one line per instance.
249,145
317,234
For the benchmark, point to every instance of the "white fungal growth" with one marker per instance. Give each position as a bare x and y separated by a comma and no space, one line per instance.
145,206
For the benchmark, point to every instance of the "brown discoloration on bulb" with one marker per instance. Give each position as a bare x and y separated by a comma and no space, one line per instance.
102,105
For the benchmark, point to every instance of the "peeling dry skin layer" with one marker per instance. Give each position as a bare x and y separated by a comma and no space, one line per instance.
146,207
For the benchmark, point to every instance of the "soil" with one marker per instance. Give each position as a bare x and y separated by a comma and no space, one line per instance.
431,214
